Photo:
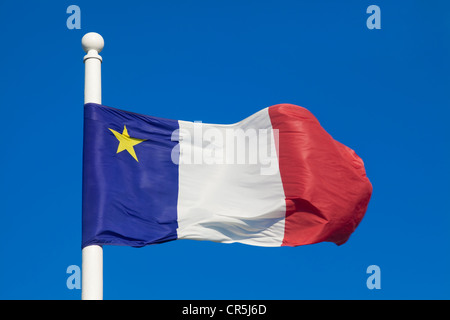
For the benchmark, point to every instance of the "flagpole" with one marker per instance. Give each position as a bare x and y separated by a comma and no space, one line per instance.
92,256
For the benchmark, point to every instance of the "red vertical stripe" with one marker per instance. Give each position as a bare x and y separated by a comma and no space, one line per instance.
325,184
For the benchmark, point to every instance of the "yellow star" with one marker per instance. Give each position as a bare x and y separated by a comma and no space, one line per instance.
126,142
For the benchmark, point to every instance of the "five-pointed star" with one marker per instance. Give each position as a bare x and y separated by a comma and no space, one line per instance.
126,142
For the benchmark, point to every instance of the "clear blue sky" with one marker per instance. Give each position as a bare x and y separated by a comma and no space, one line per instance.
384,93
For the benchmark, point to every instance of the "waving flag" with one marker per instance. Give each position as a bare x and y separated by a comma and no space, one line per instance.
276,178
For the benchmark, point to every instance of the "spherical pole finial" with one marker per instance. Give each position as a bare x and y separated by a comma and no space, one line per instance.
92,41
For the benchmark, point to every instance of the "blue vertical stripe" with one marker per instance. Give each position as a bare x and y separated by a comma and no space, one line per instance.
125,201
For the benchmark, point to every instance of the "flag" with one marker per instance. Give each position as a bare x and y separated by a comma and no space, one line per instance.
276,178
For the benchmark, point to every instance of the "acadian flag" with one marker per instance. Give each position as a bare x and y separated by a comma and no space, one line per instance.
276,178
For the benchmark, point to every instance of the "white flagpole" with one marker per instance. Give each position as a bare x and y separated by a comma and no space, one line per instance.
92,256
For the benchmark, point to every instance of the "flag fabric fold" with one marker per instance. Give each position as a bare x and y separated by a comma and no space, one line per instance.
276,178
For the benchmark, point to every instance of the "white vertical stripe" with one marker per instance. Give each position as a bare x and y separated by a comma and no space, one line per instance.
229,202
